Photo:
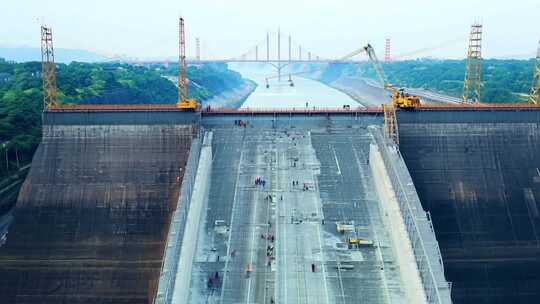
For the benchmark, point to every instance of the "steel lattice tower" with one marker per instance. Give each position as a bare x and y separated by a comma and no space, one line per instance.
387,57
182,82
472,70
534,97
48,68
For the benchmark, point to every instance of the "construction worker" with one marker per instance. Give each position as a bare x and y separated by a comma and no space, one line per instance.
247,269
312,267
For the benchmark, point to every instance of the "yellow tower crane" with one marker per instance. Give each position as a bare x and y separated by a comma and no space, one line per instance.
184,103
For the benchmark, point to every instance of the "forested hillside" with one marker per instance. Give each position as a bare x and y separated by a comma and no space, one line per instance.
21,95
502,80
206,81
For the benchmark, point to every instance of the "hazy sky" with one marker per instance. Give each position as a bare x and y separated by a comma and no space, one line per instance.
330,28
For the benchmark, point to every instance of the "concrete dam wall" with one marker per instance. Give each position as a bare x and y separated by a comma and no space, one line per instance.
478,174
92,217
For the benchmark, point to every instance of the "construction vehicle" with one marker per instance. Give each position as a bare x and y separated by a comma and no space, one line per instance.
400,98
184,103
356,242
345,227
291,83
344,266
187,104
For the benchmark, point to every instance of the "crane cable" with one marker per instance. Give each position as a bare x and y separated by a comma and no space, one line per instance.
362,50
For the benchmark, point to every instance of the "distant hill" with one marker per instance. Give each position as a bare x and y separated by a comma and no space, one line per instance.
24,54
503,80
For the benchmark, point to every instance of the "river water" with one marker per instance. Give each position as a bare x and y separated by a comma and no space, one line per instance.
305,92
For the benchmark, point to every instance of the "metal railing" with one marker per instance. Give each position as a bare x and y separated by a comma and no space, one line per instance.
293,110
169,267
417,223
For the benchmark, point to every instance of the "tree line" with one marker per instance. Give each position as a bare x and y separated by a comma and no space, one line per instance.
505,80
21,95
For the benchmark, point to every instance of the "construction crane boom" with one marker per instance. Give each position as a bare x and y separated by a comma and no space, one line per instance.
376,65
400,98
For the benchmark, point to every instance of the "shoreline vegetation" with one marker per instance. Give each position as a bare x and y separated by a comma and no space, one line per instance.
503,80
96,83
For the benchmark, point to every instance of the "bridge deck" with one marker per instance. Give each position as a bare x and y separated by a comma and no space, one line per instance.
277,110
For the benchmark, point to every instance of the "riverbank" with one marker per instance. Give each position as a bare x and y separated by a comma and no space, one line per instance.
356,88
233,98
301,93
359,90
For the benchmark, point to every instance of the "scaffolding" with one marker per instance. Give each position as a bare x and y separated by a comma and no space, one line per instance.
390,123
418,225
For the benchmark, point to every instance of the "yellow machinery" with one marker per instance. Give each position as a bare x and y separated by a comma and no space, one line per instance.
403,100
356,242
400,98
187,104
345,227
184,103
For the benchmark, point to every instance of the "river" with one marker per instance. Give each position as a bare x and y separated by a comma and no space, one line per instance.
305,92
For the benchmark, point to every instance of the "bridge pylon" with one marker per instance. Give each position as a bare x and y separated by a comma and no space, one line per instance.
387,57
198,49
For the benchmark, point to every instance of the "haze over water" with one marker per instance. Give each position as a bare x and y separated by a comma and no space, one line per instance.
282,95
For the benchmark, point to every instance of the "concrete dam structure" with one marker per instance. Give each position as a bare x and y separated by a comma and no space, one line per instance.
160,206
478,174
94,211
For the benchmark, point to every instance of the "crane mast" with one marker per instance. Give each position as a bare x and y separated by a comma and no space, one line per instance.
182,83
184,103
48,68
